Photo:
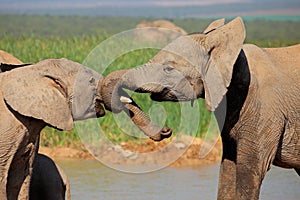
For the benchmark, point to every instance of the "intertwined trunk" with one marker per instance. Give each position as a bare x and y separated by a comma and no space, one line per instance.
112,93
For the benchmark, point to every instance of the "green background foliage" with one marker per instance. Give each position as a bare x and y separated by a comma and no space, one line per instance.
33,38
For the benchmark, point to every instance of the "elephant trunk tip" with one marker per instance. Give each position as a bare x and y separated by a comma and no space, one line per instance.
164,133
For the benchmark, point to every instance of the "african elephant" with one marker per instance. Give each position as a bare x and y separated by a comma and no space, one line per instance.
8,58
48,181
253,92
158,31
52,92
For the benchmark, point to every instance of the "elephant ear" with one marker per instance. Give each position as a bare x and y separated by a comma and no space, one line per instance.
223,45
214,25
32,91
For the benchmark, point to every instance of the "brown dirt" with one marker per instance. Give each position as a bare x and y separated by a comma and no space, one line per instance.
190,156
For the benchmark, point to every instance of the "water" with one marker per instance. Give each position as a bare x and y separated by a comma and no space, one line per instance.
91,180
282,10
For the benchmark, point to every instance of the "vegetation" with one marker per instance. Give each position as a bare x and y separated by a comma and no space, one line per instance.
33,38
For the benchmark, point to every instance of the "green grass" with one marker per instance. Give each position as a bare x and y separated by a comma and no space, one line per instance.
31,41
33,49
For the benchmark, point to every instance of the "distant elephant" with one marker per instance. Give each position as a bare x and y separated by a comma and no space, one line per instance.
254,93
8,58
48,181
52,92
159,31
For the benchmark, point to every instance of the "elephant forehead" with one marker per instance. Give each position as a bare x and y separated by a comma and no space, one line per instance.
87,75
189,49
84,92
61,65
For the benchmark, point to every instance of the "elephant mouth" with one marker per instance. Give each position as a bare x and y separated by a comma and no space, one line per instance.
182,91
165,95
99,109
170,95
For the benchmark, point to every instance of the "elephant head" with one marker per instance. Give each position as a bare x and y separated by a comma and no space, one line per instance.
192,66
57,91
60,91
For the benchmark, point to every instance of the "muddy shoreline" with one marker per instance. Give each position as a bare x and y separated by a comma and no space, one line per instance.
140,153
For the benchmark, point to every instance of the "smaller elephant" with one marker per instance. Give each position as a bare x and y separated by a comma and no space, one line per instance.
48,181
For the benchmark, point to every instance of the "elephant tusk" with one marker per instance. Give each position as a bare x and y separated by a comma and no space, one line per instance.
125,99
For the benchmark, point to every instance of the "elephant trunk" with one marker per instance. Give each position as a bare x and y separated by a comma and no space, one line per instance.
111,92
143,122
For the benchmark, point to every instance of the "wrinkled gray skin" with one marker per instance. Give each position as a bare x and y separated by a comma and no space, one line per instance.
48,181
52,92
253,92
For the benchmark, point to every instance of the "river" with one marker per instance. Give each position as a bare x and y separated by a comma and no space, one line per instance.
91,180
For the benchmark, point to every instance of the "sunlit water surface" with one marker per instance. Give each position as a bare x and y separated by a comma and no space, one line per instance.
91,180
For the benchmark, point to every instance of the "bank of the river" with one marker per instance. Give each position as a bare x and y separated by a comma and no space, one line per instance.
128,152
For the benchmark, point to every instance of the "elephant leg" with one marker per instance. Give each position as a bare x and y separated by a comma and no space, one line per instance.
227,179
226,188
248,182
3,190
24,192
253,161
3,182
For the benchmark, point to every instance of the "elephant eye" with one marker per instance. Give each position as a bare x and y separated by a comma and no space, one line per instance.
92,80
168,69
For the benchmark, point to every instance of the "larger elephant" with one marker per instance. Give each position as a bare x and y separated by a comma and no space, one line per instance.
254,93
52,92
